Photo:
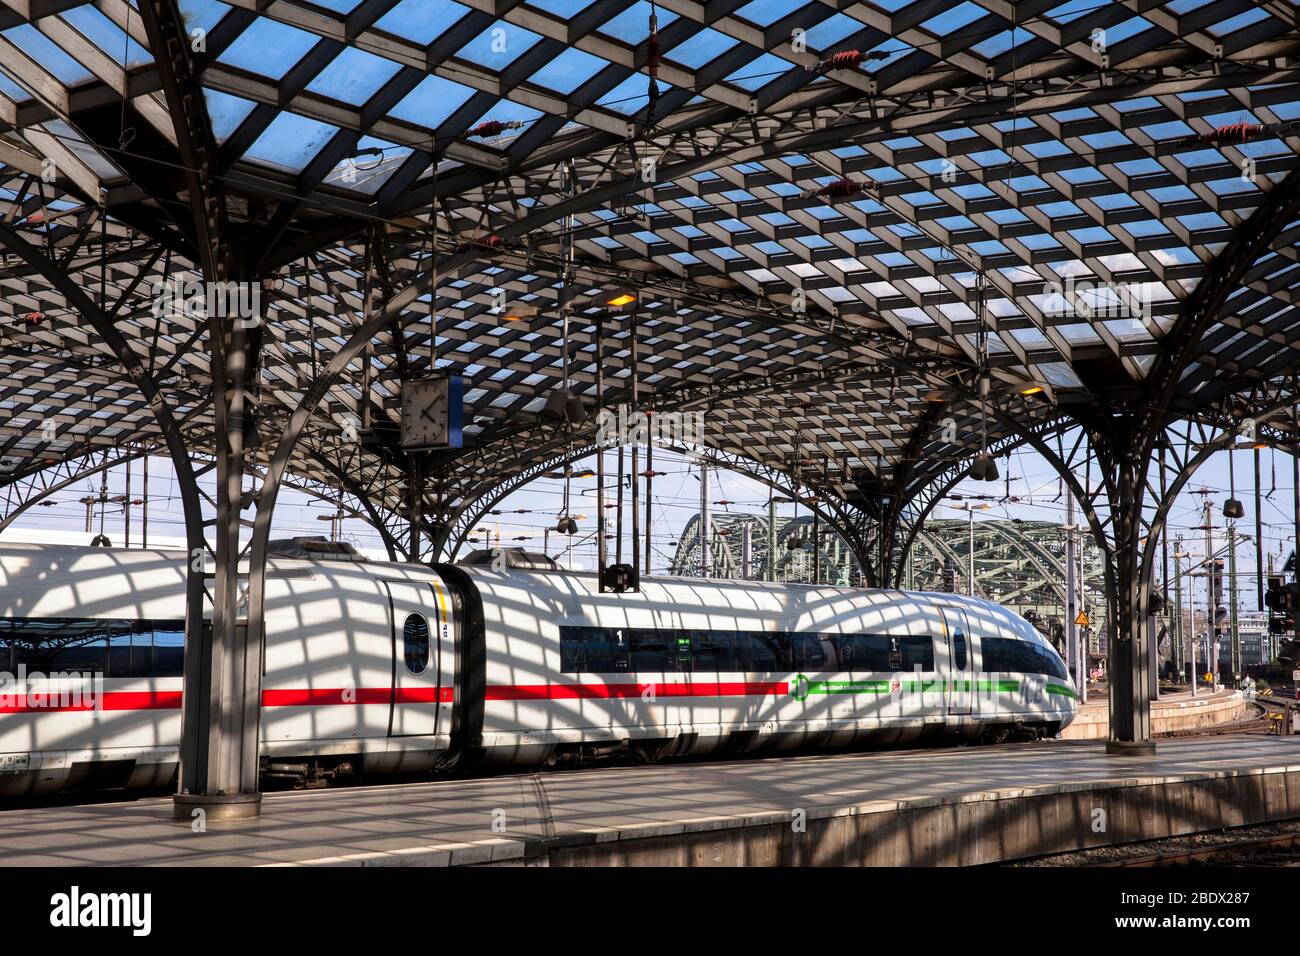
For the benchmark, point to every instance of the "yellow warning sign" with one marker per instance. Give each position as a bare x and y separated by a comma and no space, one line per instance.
1082,619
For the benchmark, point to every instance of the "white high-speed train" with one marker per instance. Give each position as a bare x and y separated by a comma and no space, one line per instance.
374,667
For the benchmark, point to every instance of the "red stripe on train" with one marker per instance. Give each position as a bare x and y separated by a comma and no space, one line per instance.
309,697
611,691
317,697
171,699
118,700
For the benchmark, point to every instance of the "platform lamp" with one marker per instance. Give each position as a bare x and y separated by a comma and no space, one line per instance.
984,468
1232,508
618,577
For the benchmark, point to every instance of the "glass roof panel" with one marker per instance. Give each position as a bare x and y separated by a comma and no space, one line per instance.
51,57
14,91
226,112
1072,10
566,72
353,76
268,48
499,45
410,20
766,12
632,26
951,21
632,95
432,101
367,174
830,31
291,142
202,14
702,49
1224,27
1004,41
760,71
106,35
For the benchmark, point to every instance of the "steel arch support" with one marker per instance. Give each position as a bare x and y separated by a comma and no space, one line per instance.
174,440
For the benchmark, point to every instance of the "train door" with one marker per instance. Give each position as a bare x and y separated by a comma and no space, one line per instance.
960,681
417,650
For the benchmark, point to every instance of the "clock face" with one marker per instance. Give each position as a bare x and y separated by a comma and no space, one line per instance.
431,413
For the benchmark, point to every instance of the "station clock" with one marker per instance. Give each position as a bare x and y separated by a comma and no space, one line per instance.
432,411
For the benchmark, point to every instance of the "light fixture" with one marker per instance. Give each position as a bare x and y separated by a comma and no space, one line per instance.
621,300
562,406
984,468
566,525
520,312
1232,508
1028,388
574,410
556,405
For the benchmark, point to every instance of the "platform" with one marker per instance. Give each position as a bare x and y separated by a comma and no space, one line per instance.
1173,712
953,806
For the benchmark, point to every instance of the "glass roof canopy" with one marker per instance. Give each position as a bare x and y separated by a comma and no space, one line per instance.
819,245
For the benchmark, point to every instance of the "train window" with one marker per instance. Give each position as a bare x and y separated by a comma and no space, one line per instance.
766,653
654,650
599,650
917,653
167,640
1005,655
959,649
415,642
593,650
111,647
809,652
718,650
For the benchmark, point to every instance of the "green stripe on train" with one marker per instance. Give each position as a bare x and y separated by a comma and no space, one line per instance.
801,687
1061,690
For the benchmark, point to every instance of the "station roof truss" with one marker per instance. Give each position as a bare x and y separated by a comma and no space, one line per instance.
827,254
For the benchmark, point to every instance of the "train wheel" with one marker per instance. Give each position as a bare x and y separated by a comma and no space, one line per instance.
995,735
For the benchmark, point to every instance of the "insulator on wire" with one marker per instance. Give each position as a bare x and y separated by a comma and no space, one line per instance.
492,241
653,52
494,128
848,60
839,189
1235,133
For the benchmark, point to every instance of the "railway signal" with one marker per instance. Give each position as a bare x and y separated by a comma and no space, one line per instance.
1280,599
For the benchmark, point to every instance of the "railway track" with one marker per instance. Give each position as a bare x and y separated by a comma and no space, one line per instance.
1262,723
1281,850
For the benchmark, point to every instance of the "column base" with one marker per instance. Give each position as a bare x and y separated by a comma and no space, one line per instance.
1131,748
217,808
